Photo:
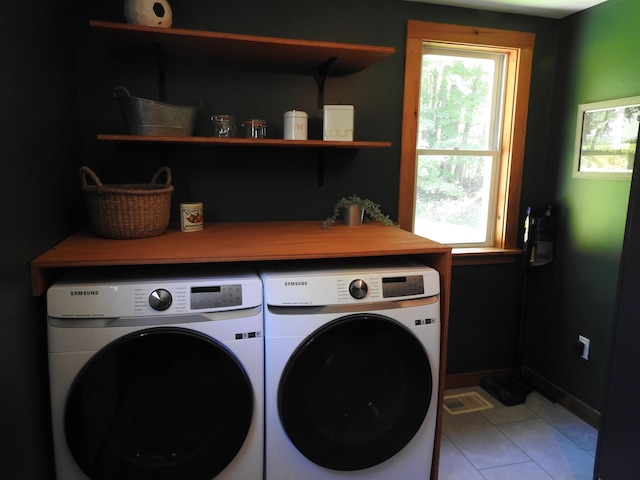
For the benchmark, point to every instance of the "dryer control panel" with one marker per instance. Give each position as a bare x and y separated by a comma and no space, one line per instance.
345,285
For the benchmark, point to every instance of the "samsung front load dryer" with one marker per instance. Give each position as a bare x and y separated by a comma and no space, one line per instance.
352,366
157,377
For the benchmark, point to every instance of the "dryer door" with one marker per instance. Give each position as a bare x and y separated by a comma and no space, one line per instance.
161,403
355,392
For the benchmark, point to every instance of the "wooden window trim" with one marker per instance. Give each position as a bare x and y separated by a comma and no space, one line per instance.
519,47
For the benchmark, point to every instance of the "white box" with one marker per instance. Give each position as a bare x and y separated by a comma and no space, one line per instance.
338,123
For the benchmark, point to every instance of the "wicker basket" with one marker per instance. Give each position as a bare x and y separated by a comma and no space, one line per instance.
128,211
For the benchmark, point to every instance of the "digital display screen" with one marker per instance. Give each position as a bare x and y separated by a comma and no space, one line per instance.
394,279
402,286
205,289
216,296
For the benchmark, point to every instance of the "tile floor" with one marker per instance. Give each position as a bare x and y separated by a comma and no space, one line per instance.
539,440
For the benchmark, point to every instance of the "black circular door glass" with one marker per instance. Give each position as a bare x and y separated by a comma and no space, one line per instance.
162,403
355,392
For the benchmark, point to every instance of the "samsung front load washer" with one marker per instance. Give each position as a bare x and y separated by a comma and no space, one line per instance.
157,377
352,367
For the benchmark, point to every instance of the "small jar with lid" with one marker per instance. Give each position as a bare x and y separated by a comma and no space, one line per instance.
295,125
224,126
255,128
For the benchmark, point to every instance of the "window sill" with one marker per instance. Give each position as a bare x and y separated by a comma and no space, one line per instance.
484,256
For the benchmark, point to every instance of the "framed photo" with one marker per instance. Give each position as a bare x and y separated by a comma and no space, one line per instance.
606,138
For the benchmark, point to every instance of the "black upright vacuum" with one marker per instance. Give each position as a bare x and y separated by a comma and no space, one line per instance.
539,233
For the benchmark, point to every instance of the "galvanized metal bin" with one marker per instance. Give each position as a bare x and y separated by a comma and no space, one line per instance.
148,117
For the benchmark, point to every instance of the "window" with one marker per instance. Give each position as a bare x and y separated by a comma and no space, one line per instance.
464,121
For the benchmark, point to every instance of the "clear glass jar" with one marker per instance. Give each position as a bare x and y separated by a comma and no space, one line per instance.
224,126
255,128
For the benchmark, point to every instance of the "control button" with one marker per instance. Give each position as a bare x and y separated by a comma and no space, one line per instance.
160,299
358,289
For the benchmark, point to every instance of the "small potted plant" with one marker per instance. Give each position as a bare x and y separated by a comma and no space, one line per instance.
355,208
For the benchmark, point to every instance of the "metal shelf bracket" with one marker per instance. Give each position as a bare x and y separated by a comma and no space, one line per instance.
321,78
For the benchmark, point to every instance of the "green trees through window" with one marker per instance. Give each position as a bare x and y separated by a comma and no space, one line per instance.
461,95
466,96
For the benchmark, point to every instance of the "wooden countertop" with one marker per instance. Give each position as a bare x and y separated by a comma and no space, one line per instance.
230,242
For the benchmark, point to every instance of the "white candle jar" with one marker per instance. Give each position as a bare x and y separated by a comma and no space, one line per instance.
295,125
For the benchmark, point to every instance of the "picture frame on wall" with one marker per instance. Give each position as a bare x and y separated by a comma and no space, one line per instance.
606,138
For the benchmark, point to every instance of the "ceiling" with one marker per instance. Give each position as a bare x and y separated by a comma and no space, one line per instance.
540,8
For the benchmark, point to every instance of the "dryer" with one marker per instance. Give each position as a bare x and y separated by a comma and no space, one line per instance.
352,367
157,376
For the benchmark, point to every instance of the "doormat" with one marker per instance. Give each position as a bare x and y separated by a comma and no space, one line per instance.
465,403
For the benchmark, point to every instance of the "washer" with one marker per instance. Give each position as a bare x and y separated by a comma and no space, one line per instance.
352,366
157,376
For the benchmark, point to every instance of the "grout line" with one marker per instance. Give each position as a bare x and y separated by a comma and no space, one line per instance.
536,416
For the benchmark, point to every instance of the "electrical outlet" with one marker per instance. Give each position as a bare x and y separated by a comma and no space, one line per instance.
585,349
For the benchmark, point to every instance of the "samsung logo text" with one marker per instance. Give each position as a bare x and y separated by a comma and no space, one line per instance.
76,293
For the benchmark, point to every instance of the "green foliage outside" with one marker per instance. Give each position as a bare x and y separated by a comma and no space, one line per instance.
450,189
609,139
455,113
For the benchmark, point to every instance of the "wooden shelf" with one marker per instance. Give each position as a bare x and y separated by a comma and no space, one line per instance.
349,58
242,142
317,57
232,242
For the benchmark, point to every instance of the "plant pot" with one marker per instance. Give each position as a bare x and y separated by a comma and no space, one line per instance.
353,215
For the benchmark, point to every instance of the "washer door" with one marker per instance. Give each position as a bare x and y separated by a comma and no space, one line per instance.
161,403
355,392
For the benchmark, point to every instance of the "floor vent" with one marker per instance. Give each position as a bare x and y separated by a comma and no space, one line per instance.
465,403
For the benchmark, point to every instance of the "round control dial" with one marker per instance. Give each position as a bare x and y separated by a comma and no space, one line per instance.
358,289
160,299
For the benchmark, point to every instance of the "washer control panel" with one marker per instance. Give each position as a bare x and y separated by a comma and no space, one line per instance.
147,297
200,298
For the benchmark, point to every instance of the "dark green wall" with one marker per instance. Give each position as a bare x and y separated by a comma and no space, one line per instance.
39,151
597,60
483,327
